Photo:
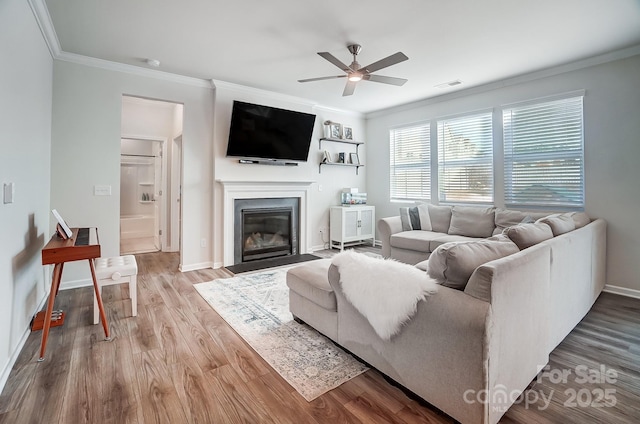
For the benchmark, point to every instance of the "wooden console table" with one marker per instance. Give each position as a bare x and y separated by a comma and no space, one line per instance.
83,244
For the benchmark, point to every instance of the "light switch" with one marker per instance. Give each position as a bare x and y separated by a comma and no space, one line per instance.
9,191
102,190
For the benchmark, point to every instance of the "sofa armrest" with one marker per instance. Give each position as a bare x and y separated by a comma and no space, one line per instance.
518,289
386,228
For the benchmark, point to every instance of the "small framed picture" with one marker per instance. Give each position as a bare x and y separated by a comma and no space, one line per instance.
335,130
341,157
354,158
347,132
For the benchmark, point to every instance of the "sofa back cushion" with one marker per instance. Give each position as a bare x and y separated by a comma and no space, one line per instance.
451,264
526,235
440,218
580,218
559,223
415,218
506,218
472,221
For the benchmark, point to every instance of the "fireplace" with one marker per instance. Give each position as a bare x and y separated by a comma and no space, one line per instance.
266,233
265,228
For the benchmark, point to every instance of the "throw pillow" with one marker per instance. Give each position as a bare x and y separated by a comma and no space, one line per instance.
580,218
560,223
526,235
472,221
506,218
440,218
415,218
452,264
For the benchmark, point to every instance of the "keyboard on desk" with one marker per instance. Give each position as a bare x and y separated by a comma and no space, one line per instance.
82,239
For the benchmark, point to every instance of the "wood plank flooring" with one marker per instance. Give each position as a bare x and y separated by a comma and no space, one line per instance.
179,362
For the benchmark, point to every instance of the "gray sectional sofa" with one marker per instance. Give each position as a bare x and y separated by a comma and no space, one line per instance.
476,344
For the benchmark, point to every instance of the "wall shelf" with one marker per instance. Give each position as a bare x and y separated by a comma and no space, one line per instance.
344,141
339,164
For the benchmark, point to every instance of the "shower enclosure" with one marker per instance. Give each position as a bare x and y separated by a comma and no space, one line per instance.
140,176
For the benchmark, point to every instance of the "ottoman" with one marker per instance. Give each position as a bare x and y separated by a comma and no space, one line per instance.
311,298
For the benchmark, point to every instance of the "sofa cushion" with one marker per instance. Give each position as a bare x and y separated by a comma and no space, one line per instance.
440,218
526,235
580,218
453,263
472,221
559,223
446,238
310,281
414,240
506,218
415,218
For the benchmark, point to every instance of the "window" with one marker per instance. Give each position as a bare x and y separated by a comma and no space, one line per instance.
465,159
410,163
544,154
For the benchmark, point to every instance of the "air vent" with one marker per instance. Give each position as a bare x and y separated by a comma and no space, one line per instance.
448,84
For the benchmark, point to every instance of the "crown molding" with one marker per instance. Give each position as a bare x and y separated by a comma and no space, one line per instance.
224,85
41,13
519,79
131,69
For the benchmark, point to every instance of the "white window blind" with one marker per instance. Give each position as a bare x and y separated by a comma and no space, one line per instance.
544,154
410,163
465,159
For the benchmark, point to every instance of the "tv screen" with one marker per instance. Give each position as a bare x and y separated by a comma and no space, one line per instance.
266,132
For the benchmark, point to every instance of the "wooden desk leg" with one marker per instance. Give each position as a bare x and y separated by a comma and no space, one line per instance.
55,284
103,316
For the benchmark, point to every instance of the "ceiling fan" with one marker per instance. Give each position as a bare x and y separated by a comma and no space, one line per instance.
355,72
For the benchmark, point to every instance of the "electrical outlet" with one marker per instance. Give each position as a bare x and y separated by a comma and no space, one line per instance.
203,242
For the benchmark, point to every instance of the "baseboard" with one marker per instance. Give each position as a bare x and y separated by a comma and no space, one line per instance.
68,285
16,352
623,291
218,265
195,267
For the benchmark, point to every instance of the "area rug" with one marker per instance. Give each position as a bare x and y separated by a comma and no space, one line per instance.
256,306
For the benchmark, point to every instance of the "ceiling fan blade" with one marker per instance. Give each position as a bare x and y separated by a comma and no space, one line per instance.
349,88
383,63
321,78
331,58
385,80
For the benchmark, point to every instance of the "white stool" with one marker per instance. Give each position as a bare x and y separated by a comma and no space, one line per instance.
118,270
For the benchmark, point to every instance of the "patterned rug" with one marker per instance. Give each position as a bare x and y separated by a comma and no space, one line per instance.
257,307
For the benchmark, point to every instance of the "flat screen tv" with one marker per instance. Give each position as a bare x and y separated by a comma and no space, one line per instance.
265,132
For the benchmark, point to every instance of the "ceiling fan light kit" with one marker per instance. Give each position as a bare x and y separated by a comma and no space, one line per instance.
355,73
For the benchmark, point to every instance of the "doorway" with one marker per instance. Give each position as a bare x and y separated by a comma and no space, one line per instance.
150,175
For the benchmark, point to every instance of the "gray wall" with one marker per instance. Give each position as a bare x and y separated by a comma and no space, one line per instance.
87,107
25,146
612,147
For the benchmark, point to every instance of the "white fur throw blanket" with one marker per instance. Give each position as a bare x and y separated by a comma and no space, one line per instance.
384,291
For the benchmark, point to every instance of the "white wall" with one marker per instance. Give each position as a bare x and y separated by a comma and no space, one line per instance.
326,185
87,103
25,145
612,148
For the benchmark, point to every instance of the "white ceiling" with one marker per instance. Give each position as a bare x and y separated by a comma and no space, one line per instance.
271,44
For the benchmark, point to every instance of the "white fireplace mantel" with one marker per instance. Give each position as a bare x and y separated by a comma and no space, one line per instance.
233,190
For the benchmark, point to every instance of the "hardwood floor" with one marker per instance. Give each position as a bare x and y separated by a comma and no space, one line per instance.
179,362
